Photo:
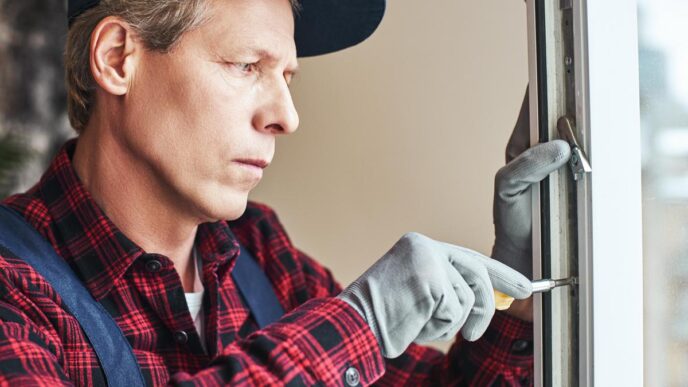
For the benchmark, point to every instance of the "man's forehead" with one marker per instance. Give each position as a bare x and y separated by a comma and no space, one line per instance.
251,16
259,28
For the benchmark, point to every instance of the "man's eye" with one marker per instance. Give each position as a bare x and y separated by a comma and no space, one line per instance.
244,67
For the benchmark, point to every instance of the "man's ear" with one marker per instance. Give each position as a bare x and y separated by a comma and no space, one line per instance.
113,55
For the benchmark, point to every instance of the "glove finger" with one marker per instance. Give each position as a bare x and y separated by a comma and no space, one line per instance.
520,137
452,311
502,277
531,167
472,268
508,280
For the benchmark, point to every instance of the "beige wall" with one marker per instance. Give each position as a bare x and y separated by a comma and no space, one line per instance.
402,133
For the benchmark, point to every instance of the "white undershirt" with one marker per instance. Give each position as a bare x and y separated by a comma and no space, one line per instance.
195,302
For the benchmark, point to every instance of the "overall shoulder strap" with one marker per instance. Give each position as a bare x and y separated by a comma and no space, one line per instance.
113,350
256,290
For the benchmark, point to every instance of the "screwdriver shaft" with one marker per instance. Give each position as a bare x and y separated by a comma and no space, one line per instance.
545,285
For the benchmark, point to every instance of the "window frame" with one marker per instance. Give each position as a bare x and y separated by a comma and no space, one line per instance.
609,204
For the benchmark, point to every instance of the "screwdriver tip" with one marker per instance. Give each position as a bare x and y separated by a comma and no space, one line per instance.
564,282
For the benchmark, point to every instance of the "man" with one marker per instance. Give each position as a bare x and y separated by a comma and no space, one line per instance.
177,105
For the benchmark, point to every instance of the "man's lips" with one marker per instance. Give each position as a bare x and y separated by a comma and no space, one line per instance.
262,164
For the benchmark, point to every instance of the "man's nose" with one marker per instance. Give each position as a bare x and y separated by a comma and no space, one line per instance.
277,114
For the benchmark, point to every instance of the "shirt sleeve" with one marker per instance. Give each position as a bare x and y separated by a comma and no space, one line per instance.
323,342
26,357
489,361
503,356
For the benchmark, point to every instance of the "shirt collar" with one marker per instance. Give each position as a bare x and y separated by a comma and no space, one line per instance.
95,248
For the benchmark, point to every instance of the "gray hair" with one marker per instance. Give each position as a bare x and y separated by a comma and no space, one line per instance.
159,25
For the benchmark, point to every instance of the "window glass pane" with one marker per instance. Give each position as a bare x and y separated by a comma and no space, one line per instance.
663,45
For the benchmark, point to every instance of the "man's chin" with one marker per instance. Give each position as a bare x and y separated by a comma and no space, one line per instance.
235,212
229,208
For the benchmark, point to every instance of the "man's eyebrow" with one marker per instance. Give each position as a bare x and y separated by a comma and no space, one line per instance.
292,68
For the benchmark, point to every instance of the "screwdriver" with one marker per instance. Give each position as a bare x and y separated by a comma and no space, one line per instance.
503,301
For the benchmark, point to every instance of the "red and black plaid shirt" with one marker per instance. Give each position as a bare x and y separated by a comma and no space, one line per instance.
316,342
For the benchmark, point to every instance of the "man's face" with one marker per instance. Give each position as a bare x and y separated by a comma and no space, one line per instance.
203,118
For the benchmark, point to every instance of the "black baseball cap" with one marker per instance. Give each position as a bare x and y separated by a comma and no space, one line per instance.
321,26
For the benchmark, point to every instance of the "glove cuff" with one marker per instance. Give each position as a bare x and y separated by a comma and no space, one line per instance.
356,295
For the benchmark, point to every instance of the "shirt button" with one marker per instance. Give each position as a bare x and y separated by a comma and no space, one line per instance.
520,346
153,265
353,378
181,337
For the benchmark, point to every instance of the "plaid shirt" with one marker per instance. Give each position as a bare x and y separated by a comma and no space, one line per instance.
320,341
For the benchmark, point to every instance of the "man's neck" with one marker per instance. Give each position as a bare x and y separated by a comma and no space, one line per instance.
141,209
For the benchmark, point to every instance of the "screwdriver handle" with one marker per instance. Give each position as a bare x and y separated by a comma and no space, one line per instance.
504,301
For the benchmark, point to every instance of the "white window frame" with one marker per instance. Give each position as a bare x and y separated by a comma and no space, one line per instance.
610,267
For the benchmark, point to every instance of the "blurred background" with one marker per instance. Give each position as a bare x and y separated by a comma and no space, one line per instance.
663,39
33,117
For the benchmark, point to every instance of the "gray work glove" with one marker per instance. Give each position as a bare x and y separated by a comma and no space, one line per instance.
512,199
423,290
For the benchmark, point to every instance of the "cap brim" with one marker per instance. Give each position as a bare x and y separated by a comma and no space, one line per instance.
324,26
